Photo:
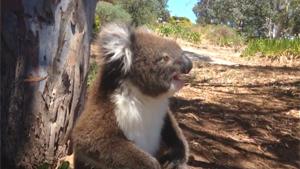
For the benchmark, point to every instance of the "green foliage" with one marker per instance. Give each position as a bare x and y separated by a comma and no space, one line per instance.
217,11
139,12
194,37
44,166
145,11
92,73
254,18
165,30
294,17
164,13
273,48
64,165
220,35
178,31
97,24
181,21
107,12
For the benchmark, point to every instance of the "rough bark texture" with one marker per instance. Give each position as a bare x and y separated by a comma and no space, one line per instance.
44,62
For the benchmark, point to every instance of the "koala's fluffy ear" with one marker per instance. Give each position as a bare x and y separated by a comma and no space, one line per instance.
115,41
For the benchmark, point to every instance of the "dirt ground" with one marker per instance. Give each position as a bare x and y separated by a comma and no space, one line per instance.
241,116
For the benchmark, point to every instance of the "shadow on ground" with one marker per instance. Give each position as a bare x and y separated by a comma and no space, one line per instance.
241,117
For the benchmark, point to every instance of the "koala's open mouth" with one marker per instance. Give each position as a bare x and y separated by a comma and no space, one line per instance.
177,76
177,81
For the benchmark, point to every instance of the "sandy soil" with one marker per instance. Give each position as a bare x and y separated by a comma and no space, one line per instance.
241,116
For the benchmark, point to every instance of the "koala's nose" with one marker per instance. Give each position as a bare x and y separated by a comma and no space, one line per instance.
186,65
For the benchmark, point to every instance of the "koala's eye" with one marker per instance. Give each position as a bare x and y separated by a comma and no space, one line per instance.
166,57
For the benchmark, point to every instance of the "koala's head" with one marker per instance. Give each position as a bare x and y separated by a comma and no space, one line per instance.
152,64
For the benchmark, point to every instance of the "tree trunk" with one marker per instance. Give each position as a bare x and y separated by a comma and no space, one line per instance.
45,47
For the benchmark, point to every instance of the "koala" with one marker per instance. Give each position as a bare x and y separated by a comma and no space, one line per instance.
126,122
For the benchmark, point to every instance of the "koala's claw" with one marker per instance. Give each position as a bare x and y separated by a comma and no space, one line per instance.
154,163
174,165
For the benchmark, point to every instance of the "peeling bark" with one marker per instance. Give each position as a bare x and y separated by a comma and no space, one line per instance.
45,47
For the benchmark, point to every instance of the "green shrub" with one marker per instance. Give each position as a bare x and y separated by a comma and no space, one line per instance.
194,37
97,23
165,30
44,166
64,165
178,31
220,35
181,21
273,47
143,11
107,12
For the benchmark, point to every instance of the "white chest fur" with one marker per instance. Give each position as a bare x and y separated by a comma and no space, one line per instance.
140,117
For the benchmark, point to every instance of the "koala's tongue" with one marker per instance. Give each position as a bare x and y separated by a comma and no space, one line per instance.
178,82
176,77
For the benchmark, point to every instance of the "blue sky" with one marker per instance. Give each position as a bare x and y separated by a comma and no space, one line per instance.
182,8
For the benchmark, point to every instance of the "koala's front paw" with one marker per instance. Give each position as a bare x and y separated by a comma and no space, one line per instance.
174,165
173,160
153,164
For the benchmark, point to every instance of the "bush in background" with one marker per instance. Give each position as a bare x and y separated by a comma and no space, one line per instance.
181,21
107,12
178,31
144,11
220,35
